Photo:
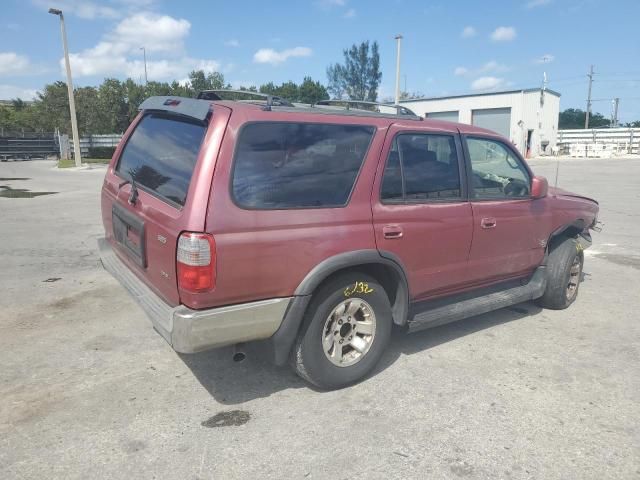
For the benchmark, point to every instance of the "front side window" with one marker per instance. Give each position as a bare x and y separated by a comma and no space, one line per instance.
496,171
297,165
421,167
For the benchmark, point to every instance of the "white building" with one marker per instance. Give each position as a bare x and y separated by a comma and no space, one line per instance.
529,118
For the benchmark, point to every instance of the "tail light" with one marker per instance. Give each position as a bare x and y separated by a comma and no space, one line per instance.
196,262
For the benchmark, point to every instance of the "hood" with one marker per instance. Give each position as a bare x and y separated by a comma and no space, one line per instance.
559,192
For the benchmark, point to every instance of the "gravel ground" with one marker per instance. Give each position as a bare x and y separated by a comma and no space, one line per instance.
89,390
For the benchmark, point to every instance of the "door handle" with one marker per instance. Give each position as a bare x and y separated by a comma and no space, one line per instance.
488,223
392,232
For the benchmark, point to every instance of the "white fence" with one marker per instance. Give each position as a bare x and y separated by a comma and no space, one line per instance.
95,141
599,142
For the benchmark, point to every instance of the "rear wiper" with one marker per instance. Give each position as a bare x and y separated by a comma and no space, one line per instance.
133,195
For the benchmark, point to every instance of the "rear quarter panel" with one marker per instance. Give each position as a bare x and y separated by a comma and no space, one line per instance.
267,253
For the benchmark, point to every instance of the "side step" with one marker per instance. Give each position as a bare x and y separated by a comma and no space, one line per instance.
440,314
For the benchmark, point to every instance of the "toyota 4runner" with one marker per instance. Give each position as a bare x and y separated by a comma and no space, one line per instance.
316,229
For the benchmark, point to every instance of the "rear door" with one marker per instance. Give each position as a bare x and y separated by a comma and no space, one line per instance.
158,186
508,225
420,212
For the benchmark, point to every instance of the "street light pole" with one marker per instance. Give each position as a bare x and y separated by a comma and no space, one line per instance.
77,154
398,41
144,54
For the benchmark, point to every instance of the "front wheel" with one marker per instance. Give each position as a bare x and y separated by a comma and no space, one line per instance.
564,272
345,332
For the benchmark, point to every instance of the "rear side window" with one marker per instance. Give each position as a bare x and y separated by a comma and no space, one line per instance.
421,167
297,165
161,154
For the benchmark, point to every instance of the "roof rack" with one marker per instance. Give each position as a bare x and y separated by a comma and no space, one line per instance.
367,106
229,94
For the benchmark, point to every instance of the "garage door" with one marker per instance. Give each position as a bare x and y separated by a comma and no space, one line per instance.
448,116
496,119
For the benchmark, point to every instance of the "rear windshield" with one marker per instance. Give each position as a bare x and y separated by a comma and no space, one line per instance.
298,165
161,154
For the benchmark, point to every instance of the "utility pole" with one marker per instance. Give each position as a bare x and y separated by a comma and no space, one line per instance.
398,42
77,154
144,53
586,117
614,119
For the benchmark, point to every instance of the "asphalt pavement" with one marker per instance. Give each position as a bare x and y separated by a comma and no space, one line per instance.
89,390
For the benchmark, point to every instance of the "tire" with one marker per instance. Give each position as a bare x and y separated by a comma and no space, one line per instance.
348,300
564,269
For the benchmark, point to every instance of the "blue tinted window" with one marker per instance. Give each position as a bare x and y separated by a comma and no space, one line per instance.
161,155
298,165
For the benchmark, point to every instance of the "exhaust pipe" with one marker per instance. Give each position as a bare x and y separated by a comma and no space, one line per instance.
238,353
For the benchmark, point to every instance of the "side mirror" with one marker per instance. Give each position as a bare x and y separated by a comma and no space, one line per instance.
539,187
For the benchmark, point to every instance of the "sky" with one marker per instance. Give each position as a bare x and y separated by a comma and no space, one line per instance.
449,46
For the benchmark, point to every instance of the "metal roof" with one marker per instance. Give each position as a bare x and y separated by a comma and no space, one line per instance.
504,92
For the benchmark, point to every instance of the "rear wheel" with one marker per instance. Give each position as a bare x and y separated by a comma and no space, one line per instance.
564,272
345,331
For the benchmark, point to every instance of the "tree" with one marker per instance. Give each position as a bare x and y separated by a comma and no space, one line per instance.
52,108
18,104
199,81
359,77
311,92
574,118
91,118
113,105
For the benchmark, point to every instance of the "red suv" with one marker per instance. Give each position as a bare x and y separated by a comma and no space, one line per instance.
315,229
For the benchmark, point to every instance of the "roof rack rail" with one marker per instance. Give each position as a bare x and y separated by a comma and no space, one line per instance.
229,94
367,106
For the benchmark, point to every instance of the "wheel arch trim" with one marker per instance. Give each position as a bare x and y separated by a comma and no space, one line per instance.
282,341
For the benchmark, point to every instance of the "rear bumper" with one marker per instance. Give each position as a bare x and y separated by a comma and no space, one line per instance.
190,331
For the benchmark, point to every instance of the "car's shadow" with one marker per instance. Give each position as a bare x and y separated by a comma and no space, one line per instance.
233,383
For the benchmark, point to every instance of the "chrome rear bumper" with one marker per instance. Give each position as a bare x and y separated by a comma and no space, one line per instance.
190,331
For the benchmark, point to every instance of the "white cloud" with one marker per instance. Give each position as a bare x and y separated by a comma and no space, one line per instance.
537,3
350,13
232,43
503,34
489,67
269,55
546,58
468,32
9,92
487,83
157,33
119,51
12,63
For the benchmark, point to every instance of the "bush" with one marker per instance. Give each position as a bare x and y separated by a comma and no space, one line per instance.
101,152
